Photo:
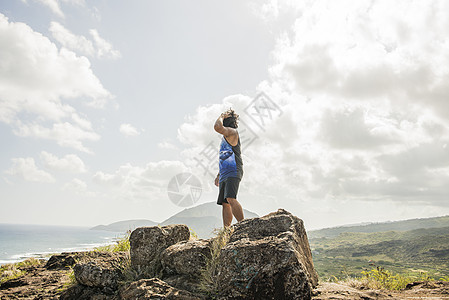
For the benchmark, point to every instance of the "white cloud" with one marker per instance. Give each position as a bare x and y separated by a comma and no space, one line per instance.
64,134
34,78
167,145
76,185
104,48
55,7
99,47
367,51
71,41
129,130
26,168
141,183
70,163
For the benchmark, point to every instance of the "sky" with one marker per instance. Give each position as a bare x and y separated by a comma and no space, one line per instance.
343,107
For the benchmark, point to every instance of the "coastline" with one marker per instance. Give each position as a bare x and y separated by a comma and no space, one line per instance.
19,242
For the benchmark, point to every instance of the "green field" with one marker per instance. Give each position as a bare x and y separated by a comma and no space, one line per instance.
338,254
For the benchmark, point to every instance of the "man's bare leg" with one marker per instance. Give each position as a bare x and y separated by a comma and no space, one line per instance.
227,214
237,210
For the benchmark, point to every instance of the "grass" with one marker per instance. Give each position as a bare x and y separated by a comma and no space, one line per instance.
209,275
131,274
12,271
72,280
193,235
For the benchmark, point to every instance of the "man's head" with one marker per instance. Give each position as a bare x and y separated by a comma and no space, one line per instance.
231,120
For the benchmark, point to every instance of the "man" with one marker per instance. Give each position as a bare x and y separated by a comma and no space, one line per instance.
230,167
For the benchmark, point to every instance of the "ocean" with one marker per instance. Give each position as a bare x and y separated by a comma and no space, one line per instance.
19,242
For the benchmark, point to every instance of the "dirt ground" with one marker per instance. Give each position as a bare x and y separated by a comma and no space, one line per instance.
417,290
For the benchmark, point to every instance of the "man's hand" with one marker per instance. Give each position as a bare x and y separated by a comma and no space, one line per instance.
217,179
225,115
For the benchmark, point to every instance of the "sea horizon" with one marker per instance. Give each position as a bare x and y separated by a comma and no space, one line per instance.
22,241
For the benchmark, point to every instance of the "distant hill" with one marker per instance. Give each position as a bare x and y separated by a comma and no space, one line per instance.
202,219
425,249
436,222
124,226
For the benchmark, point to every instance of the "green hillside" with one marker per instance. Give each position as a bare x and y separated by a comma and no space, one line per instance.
349,253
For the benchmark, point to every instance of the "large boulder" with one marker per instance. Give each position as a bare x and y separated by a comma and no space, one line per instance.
186,257
105,271
147,243
183,262
155,288
267,258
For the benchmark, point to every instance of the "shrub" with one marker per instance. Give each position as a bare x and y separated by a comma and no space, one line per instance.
10,271
121,244
209,275
379,278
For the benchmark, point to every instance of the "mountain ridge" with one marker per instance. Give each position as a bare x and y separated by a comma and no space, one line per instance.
202,219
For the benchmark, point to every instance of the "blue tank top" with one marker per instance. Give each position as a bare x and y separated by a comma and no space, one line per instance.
230,160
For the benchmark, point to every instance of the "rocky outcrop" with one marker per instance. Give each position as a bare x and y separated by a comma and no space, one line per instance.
267,257
264,258
147,243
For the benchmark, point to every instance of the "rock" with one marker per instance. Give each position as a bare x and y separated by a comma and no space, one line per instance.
184,282
61,261
155,288
78,292
426,289
269,258
15,282
186,257
104,271
67,260
147,243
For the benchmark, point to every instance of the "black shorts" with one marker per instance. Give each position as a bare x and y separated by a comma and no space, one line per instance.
228,188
